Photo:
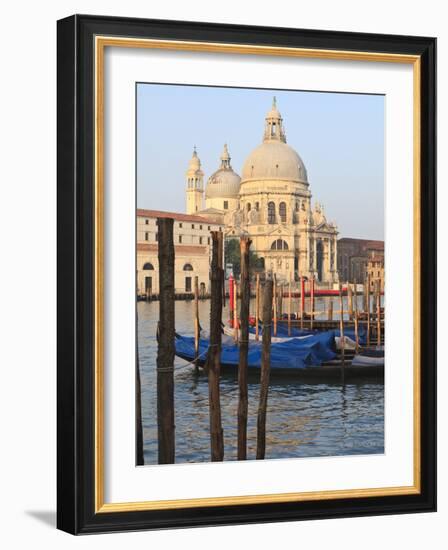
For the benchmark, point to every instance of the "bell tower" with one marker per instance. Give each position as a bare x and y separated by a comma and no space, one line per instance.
195,188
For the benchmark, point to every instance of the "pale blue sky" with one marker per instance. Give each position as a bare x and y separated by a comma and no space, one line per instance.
340,138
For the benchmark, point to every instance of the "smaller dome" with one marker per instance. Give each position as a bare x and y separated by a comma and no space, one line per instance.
224,183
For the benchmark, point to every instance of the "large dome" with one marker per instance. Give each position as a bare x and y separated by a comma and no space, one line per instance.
274,160
224,183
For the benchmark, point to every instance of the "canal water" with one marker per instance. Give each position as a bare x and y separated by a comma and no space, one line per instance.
303,420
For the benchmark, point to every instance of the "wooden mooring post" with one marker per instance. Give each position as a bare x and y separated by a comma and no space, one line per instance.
165,349
378,312
231,300
330,308
280,301
350,300
243,403
312,302
274,300
235,310
196,322
213,362
257,307
355,313
368,308
265,369
289,305
302,300
139,454
341,326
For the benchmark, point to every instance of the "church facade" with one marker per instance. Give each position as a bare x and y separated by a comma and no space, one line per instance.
270,203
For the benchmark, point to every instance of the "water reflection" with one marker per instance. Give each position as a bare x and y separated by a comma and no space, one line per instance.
303,420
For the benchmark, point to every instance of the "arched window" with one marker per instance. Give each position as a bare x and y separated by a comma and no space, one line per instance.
279,244
297,206
271,212
248,206
282,211
188,267
148,266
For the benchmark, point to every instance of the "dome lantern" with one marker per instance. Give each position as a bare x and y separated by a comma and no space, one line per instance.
225,159
273,130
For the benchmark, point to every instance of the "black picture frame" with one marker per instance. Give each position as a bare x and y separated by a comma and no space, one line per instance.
76,270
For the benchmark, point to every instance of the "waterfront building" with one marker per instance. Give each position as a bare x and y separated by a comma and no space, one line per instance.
375,270
353,256
192,242
270,203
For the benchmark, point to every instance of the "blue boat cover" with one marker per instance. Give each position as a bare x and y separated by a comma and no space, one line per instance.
282,332
296,353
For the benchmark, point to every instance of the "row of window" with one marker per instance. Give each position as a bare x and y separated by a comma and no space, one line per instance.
201,239
149,267
271,210
188,286
181,225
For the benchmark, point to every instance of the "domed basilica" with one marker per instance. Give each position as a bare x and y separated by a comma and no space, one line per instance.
271,203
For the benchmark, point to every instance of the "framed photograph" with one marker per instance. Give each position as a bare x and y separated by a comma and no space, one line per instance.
246,274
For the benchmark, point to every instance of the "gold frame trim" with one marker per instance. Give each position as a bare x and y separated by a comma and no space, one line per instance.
101,42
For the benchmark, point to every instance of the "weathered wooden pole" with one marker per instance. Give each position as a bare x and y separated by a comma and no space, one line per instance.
265,369
312,301
196,321
302,300
231,305
223,284
289,305
368,308
330,308
378,312
235,311
243,404
257,307
165,349
274,300
280,301
213,362
355,295
350,300
139,455
365,295
341,325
